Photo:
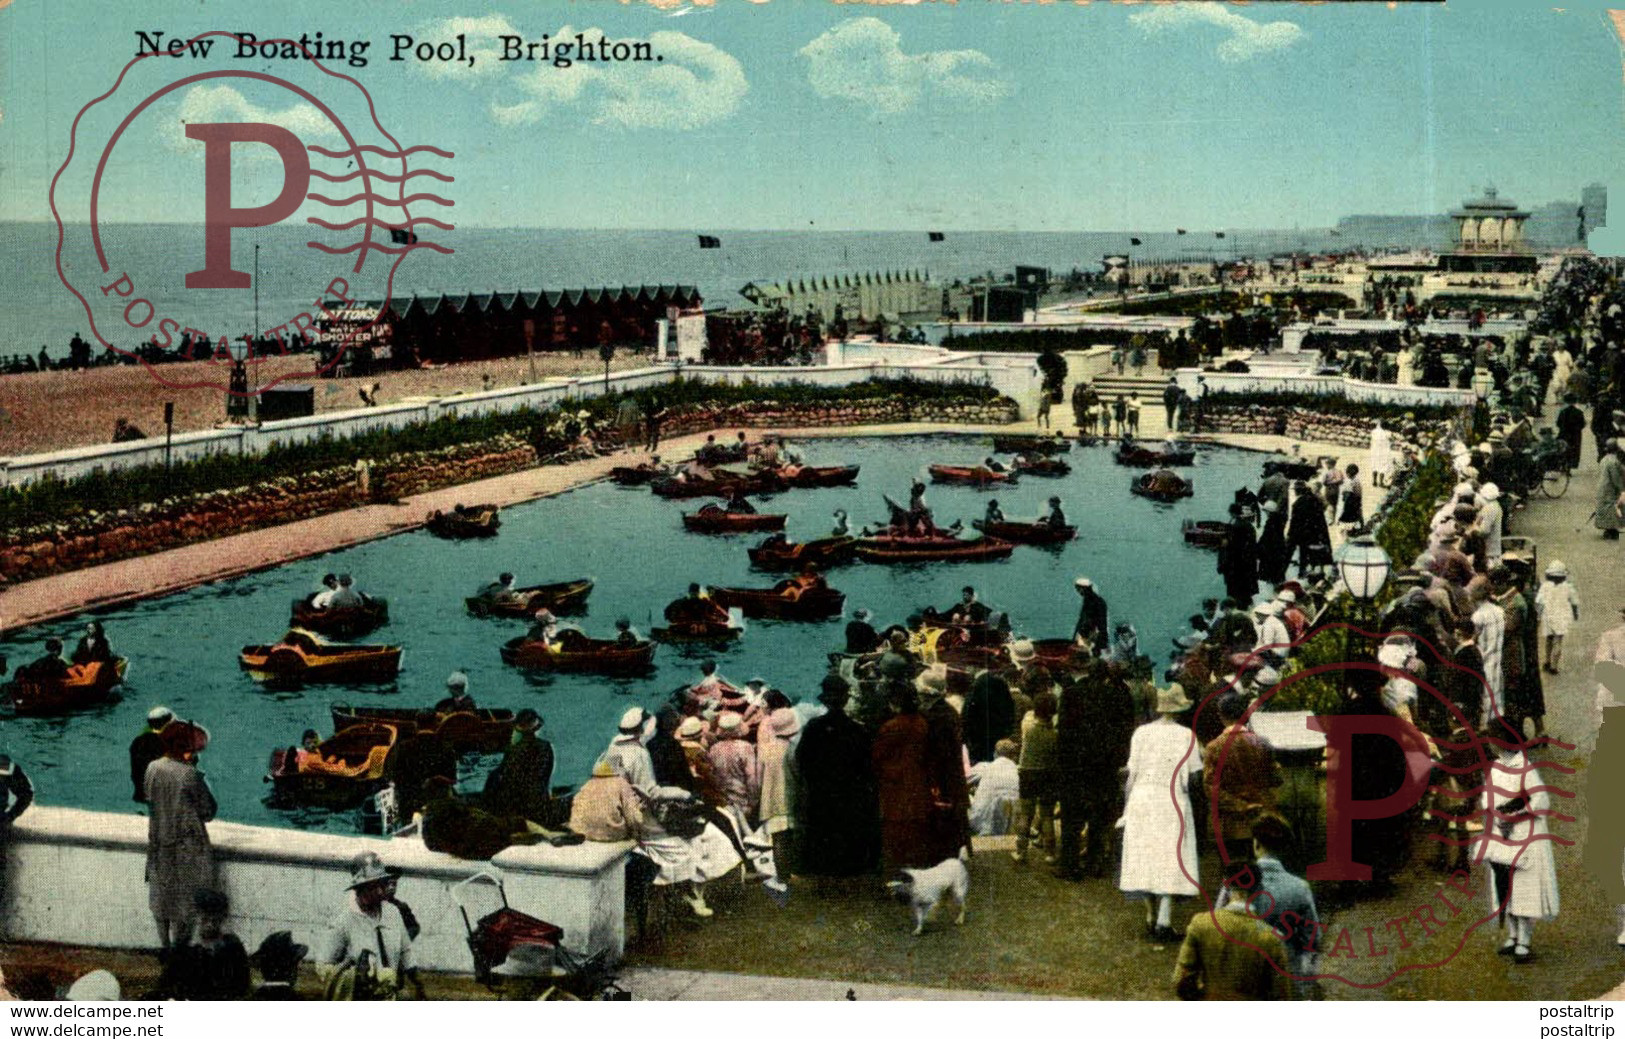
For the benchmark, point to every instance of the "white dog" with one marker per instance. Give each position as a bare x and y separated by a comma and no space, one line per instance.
924,889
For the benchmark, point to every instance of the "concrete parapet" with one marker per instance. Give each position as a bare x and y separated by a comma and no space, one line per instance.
78,877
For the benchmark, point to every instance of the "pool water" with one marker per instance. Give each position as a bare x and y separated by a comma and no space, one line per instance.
183,647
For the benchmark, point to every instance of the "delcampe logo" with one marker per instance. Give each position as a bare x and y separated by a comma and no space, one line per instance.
309,138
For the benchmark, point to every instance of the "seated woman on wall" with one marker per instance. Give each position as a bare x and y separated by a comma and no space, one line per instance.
685,849
456,827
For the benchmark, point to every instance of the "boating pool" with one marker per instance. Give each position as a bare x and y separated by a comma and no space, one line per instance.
183,647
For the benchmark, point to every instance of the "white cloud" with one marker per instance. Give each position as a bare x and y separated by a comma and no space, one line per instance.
862,61
483,44
693,84
224,104
1247,39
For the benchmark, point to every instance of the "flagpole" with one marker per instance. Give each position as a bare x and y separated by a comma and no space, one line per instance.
254,394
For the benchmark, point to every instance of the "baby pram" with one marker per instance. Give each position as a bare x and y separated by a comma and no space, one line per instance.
502,930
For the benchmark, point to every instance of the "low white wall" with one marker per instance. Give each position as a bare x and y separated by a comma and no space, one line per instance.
1008,377
78,877
1327,385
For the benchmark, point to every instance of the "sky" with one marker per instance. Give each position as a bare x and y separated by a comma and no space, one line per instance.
842,116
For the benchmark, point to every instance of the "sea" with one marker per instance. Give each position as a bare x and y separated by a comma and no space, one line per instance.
39,310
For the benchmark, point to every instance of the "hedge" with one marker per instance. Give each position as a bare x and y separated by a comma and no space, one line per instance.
1191,304
128,488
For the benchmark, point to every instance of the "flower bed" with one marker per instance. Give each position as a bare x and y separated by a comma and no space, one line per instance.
79,534
1298,423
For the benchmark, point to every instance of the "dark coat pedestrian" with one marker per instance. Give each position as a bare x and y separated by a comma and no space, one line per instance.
1093,727
1571,427
903,786
1238,560
147,748
840,820
945,768
1271,548
412,762
1092,628
1307,535
989,715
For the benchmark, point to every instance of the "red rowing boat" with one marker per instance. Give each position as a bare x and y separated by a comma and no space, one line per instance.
974,475
575,652
1142,457
790,555
931,549
783,602
84,685
561,597
1042,467
1164,485
716,520
817,476
1026,533
1205,533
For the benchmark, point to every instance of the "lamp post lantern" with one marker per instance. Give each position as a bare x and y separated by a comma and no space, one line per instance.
1363,566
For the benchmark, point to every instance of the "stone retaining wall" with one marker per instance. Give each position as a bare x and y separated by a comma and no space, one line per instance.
1297,423
90,540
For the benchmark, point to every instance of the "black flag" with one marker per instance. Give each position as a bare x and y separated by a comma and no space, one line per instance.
1134,241
401,236
710,242
1218,234
933,236
1181,230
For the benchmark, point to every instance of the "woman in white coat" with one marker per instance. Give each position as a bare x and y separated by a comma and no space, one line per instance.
1517,848
1159,830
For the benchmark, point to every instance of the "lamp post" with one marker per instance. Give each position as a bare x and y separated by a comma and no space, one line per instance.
1363,567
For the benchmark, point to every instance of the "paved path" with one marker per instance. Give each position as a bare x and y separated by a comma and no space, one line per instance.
655,983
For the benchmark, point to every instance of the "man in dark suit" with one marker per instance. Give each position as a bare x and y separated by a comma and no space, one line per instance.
147,748
1093,728
521,784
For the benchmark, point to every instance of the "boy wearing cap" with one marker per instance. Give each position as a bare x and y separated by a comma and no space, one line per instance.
277,959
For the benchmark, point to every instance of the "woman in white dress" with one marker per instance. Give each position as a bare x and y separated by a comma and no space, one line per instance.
1558,604
1159,830
1381,460
1517,848
1562,372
